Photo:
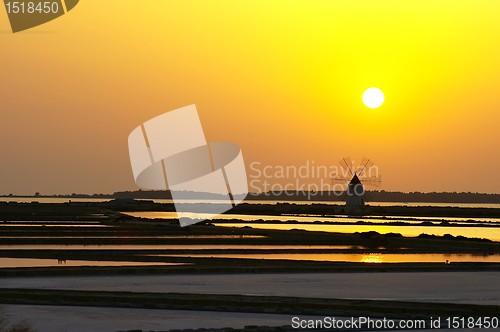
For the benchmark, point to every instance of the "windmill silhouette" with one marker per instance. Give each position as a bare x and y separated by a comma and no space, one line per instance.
354,178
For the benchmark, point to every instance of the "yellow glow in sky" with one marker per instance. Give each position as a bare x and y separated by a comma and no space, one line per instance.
283,79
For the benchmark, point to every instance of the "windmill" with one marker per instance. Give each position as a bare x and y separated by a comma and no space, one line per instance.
354,177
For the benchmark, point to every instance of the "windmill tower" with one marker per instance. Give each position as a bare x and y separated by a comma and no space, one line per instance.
354,177
355,194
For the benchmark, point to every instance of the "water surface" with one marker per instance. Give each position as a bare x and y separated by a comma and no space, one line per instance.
308,218
164,247
36,262
362,258
492,233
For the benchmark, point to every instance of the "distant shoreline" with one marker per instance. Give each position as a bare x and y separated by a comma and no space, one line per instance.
373,196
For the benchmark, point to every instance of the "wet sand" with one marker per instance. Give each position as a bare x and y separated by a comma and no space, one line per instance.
85,319
306,280
450,287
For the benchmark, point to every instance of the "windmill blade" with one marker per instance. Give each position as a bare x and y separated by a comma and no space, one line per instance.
373,185
363,171
345,179
351,166
372,181
362,165
339,183
345,165
369,164
374,178
365,165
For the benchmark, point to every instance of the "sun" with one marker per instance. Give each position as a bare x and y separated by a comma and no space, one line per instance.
373,98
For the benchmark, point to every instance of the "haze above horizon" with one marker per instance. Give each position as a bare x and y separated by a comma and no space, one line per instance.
282,79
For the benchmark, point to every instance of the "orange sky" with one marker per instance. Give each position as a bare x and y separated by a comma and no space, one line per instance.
283,79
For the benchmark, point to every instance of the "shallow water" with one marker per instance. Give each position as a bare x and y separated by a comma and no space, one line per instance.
307,218
492,233
138,237
163,247
411,204
363,258
103,319
35,262
53,200
51,224
447,287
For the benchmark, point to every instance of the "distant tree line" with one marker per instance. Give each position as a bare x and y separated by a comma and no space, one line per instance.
374,196
371,196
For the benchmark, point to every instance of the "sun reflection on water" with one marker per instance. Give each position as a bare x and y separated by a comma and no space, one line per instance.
372,258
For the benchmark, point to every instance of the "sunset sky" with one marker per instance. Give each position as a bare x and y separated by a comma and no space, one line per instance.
283,79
